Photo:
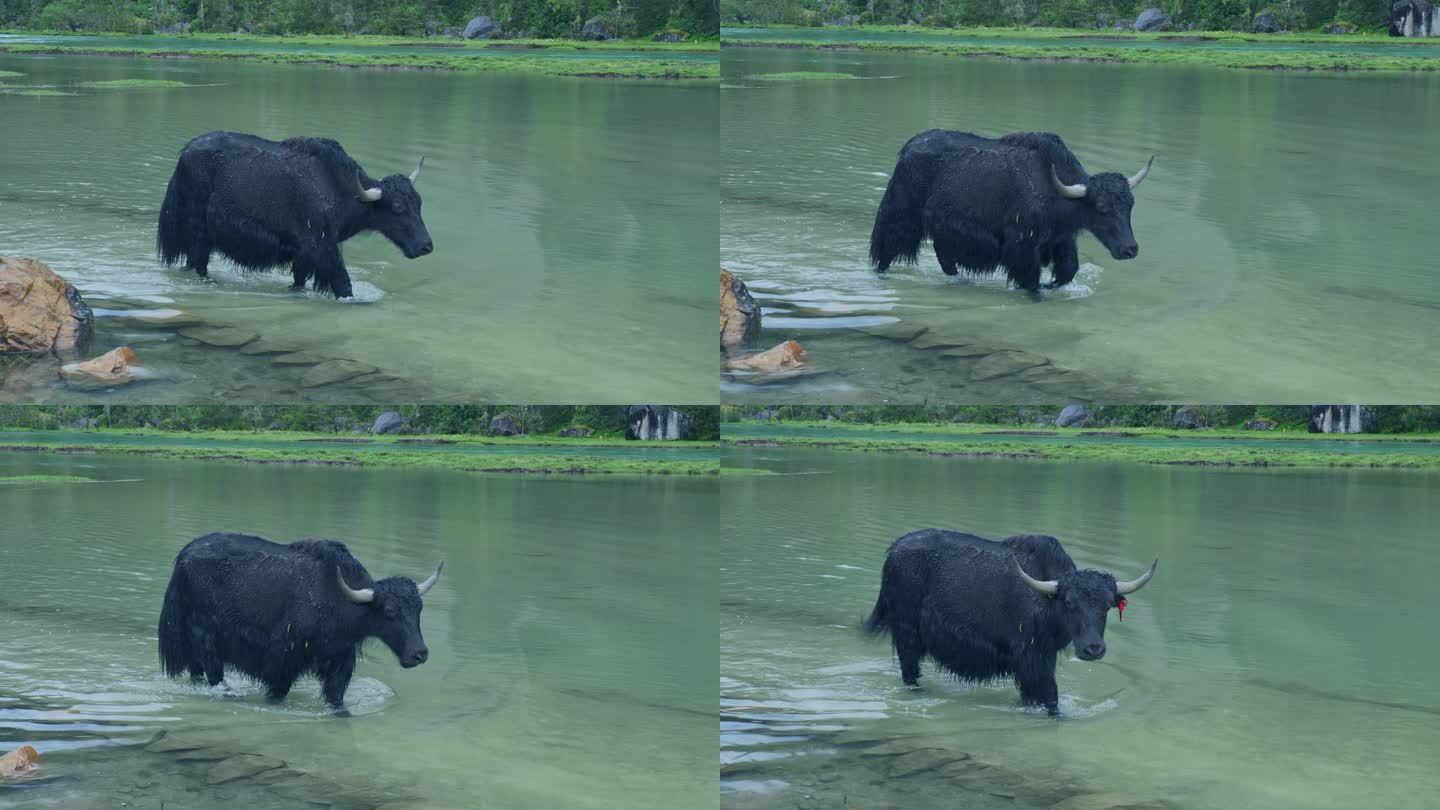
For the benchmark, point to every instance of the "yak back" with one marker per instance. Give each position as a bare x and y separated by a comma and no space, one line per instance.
283,185
971,580
248,581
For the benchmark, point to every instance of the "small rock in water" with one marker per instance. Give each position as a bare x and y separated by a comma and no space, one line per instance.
39,310
298,359
1003,364
263,346
115,367
20,762
788,356
334,371
223,337
240,767
204,755
162,318
166,742
739,313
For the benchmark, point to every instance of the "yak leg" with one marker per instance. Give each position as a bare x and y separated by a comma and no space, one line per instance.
198,256
336,674
202,642
909,648
947,261
1067,264
1035,677
323,261
1022,261
277,689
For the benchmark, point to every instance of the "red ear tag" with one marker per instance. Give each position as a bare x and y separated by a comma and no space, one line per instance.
1120,606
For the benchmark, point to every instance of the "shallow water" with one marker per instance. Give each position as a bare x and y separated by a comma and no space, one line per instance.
571,218
1273,661
565,668
1283,257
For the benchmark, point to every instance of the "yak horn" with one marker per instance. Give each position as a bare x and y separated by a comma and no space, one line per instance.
1074,192
415,175
367,194
1048,587
364,596
430,583
1134,585
1140,175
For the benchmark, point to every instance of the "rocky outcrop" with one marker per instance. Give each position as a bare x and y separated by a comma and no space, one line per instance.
671,36
504,425
656,423
1340,28
40,311
1072,416
739,313
390,422
577,432
1186,419
788,356
1153,19
1260,424
115,367
1265,22
1342,419
1414,18
481,28
597,28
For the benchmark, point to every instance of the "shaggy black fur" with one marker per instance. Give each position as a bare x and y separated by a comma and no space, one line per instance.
266,204
985,203
275,613
956,597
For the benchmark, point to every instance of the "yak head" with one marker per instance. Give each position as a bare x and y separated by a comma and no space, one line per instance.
1105,202
392,613
393,208
1083,599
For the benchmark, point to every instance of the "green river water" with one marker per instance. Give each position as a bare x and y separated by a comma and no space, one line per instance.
1277,660
571,220
572,649
1284,253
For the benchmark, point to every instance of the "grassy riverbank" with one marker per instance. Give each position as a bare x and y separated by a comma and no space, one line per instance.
1136,445
1335,52
517,454
538,57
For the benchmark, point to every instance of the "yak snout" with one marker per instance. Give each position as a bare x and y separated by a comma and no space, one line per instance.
1092,651
415,658
1125,251
419,247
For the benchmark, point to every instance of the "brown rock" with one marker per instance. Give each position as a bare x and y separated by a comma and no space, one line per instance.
739,313
115,367
788,356
39,311
20,761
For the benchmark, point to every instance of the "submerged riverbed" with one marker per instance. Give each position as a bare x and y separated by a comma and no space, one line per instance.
1282,255
565,666
566,215
1271,663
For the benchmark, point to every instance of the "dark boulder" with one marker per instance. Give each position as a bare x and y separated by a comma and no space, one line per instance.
504,425
1260,424
1414,18
1186,419
597,28
1340,28
1342,419
481,28
848,20
390,422
656,422
577,432
739,312
1153,19
671,36
1072,416
1265,22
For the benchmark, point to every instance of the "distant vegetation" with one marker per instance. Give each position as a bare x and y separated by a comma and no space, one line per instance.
545,19
1389,418
535,420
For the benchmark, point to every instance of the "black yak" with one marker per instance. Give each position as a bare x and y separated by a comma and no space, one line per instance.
266,204
276,612
1018,202
972,606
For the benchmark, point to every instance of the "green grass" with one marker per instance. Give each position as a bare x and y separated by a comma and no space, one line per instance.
383,451
135,83
43,479
10,74
802,76
519,56
1146,446
33,91
1060,45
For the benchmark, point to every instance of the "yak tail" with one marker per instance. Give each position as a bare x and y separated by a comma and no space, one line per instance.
170,237
175,654
881,617
900,223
